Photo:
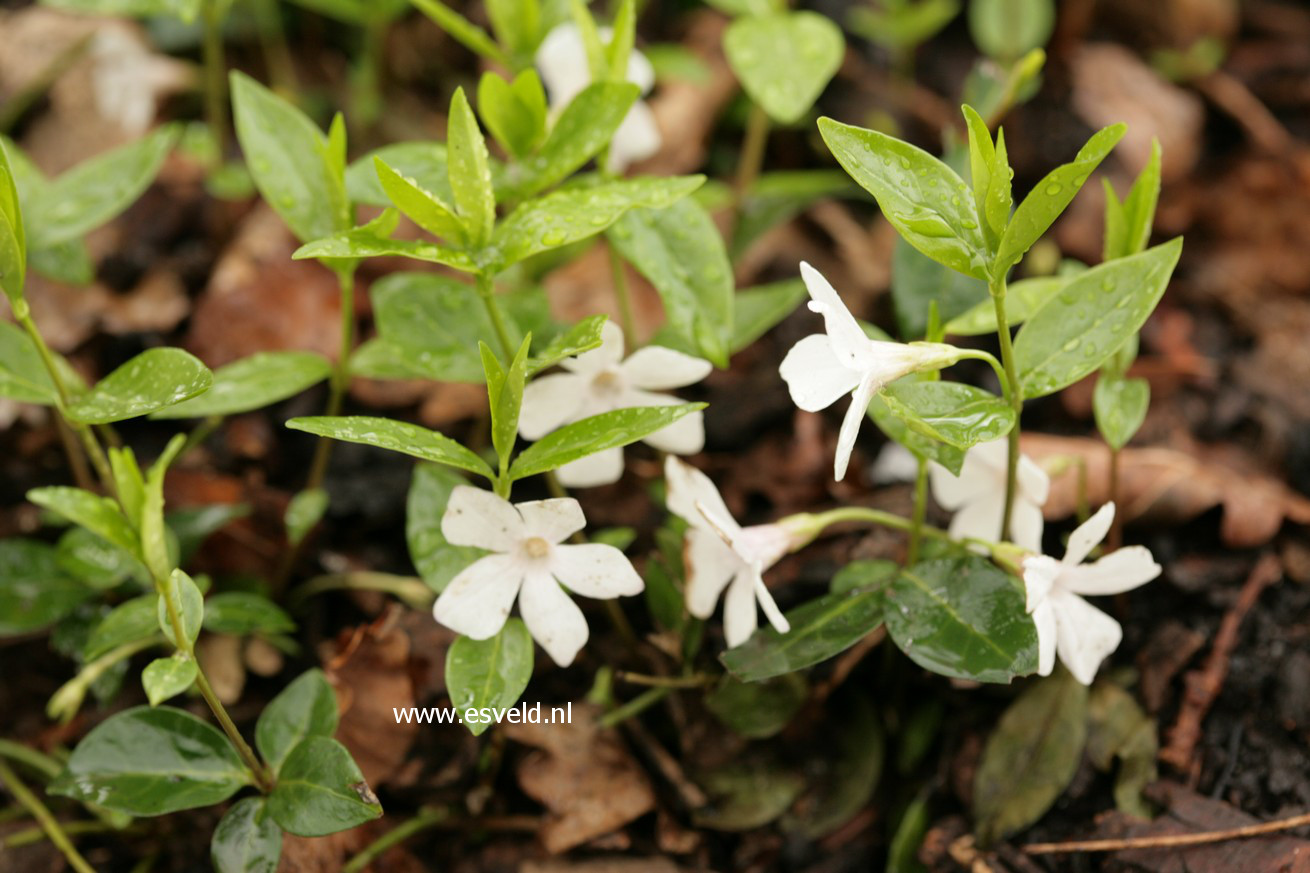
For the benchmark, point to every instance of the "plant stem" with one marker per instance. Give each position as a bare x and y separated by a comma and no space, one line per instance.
43,817
427,817
32,836
367,97
273,45
487,291
215,77
63,704
623,297
1116,537
75,454
1013,393
39,761
920,511
694,681
750,160
636,705
340,381
408,589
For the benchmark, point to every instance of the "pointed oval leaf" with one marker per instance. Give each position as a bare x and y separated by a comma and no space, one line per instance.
898,431
1022,299
23,376
757,710
424,162
424,208
434,322
35,592
950,412
469,168
13,240
320,790
784,60
247,840
364,242
305,708
595,434
582,337
515,113
755,311
1120,407
490,673
251,383
130,621
100,515
153,380
398,436
245,612
164,678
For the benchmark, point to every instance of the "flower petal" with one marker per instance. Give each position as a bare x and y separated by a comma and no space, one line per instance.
710,565
980,518
814,375
562,62
480,518
688,490
771,610
850,427
477,601
595,570
656,368
641,72
1026,525
553,520
549,402
1119,571
686,436
1047,634
739,618
1088,534
637,138
951,491
552,617
849,343
601,468
1085,636
1034,483
607,354
1039,575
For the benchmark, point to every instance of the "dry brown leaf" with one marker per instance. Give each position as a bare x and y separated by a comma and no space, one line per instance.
328,854
1167,486
602,865
583,775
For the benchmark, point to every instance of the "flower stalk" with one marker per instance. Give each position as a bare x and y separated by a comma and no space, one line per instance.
1014,393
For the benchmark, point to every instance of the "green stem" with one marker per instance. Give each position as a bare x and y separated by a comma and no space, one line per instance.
697,680
340,381
215,76
428,817
43,817
38,761
202,432
623,296
64,703
408,589
920,511
1013,393
636,705
372,63
487,291
1117,525
32,836
273,44
751,159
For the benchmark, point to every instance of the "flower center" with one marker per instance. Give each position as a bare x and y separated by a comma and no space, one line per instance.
536,547
607,382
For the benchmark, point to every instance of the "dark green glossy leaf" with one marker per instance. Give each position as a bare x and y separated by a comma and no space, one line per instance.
595,434
260,380
489,673
820,629
919,282
1022,299
398,436
182,598
131,620
784,60
320,790
757,710
1031,756
950,412
35,592
244,612
247,840
164,678
100,515
436,559
153,380
94,561
1086,323
919,445
757,310
305,708
152,761
964,618
1120,407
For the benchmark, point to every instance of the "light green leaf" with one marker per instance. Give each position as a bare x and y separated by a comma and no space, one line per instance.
902,26
757,710
566,217
424,208
1007,29
23,377
365,242
514,112
1022,299
288,158
820,629
424,162
490,673
320,790
95,191
94,561
187,602
304,512
744,7
131,620
1031,757
757,310
517,24
964,618
989,177
950,412
582,337
923,198
678,248
151,761
398,436
153,380
1085,324
1120,407
35,592
436,559
183,10
13,240
434,322
1049,198
251,383
784,60
465,32
1128,223
919,445
243,613
469,169
595,434
305,708
154,548
164,678
100,515
779,196
505,398
69,263
129,484
247,840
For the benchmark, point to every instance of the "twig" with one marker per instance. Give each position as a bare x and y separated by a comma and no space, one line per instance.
694,681
1170,840
1202,686
43,817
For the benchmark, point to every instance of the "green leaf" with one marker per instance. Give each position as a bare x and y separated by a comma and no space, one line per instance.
820,629
595,434
490,673
950,412
1007,29
518,26
990,175
247,840
153,380
69,263
779,196
923,198
1085,324
919,283
864,573
505,398
903,26
194,525
435,558
585,127
151,761
35,592
784,60
757,710
434,323
130,621
154,540
1118,728
1049,198
846,768
164,678
94,561
755,311
251,383
183,10
582,337
424,208
1022,299
469,169
305,708
1031,756
366,242
514,112
100,515
747,793
623,35
23,377
964,618
565,217
243,613
321,791
744,7
187,602
304,512
465,32
898,431
288,158
679,249
1128,223
398,436
1120,407
129,485
907,838
95,191
423,162
13,240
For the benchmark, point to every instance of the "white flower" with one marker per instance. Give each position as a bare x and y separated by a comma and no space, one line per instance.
824,367
562,60
1081,634
977,495
529,560
601,381
722,554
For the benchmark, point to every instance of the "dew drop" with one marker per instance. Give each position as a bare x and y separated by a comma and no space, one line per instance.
1072,344
1054,188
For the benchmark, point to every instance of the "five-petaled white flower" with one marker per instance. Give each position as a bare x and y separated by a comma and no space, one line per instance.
562,60
1081,634
722,554
824,367
600,381
977,495
529,560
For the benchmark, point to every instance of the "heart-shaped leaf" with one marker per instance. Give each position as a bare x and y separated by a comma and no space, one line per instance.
305,708
784,60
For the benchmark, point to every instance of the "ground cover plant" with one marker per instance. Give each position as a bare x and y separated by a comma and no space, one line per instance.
540,436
